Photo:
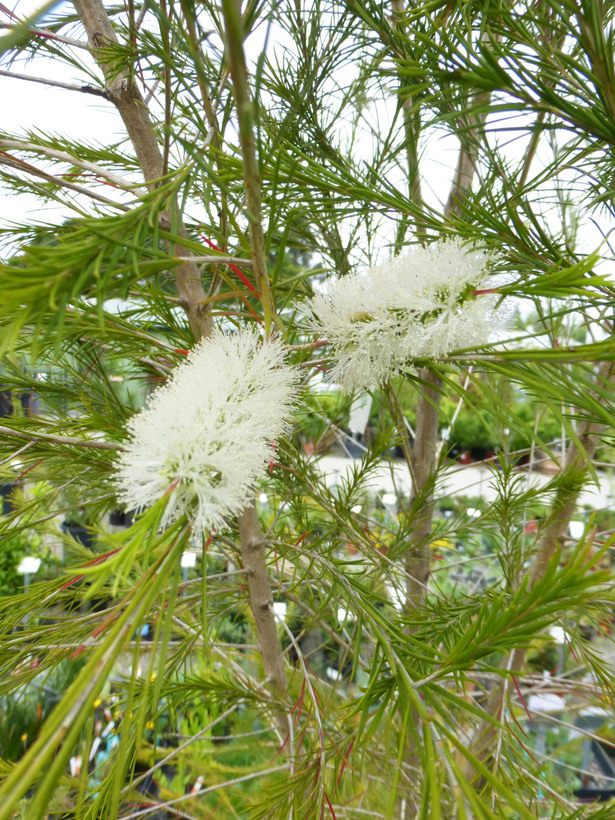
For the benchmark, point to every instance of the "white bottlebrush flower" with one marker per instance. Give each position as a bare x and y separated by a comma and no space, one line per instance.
207,435
419,305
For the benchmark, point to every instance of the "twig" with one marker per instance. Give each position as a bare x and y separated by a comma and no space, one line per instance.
347,647
26,167
160,369
51,35
65,440
500,729
261,601
16,453
558,795
212,260
63,156
179,749
470,139
306,678
202,792
412,127
84,89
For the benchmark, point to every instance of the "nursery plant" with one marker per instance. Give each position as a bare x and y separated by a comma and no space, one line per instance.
302,195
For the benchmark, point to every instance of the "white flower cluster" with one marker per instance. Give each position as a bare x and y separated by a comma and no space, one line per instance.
207,435
419,305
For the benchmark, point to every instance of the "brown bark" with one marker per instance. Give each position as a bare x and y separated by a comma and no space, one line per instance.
124,94
423,460
261,602
417,559
253,554
466,160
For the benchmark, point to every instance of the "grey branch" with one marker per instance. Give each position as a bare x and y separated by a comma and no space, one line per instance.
213,259
64,440
60,38
32,170
84,89
63,156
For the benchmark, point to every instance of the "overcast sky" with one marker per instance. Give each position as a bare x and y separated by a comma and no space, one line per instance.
28,105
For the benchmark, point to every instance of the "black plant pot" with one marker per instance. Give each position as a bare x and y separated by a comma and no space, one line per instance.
6,503
589,795
118,518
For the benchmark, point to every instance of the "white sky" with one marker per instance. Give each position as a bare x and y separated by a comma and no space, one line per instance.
29,105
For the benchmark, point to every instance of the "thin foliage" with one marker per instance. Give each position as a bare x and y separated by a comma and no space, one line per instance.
344,639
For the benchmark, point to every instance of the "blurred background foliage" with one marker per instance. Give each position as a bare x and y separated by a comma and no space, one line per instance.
427,588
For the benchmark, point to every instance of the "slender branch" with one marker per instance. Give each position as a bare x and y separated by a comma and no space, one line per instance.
531,150
201,75
412,128
324,626
578,460
161,370
17,453
21,165
84,89
503,697
201,792
307,679
179,749
541,785
166,74
423,462
64,440
120,88
50,35
251,538
213,260
467,158
471,127
63,156
551,43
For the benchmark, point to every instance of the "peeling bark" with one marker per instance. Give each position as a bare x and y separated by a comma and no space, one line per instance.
261,602
424,457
